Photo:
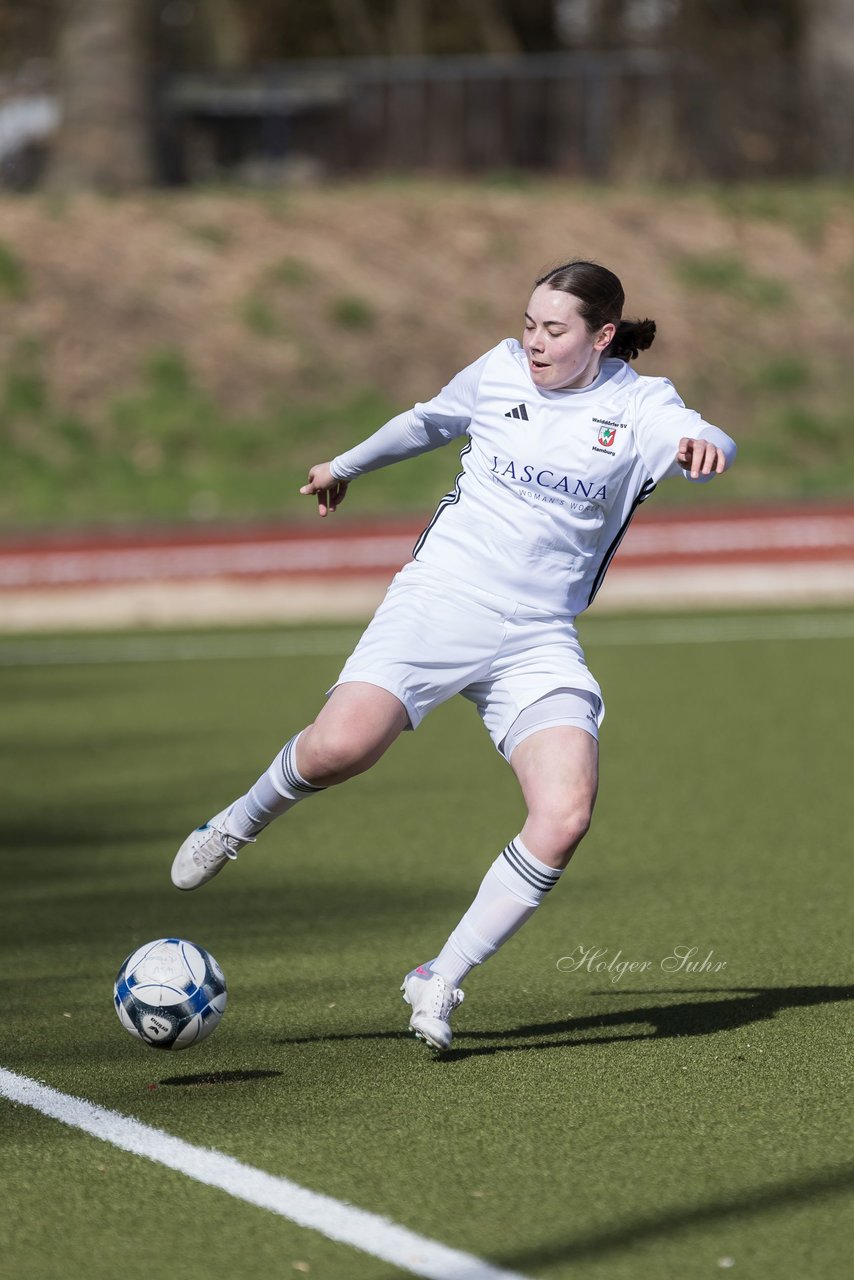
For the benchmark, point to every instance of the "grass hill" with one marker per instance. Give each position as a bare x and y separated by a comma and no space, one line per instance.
187,356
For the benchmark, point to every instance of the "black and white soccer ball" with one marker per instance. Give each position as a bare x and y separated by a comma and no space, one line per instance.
170,994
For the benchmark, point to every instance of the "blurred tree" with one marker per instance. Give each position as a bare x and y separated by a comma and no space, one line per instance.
26,31
408,28
535,23
224,33
104,139
737,28
271,30
828,59
492,22
738,77
608,25
760,86
358,32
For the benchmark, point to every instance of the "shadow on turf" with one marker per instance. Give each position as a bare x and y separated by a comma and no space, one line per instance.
742,1204
221,1077
740,1007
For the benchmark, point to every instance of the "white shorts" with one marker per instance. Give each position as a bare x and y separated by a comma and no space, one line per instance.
435,635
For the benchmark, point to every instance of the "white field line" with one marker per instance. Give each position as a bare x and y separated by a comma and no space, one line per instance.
334,1219
85,652
82,651
728,629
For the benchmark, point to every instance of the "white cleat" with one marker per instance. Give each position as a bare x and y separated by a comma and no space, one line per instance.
433,1002
205,852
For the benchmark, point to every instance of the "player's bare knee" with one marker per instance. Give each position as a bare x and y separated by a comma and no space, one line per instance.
330,754
562,830
576,826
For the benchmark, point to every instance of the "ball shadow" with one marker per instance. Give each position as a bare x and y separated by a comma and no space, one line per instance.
209,1079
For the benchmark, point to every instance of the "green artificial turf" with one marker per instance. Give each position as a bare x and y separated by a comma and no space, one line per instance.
607,1125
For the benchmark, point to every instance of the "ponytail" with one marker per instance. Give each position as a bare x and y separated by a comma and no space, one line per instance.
632,336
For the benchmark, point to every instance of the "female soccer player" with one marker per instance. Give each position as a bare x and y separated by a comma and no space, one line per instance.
564,441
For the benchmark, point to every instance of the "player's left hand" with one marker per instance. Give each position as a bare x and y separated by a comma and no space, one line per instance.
329,491
700,457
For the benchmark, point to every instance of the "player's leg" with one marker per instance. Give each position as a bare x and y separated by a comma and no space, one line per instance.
427,640
354,728
352,731
557,769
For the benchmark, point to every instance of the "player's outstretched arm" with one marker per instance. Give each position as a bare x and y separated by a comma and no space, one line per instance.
701,457
329,491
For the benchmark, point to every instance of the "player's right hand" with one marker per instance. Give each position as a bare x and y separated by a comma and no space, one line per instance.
329,491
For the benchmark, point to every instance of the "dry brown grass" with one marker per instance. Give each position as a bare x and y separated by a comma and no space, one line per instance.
320,291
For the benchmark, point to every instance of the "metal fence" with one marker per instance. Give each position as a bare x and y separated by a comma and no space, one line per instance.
583,115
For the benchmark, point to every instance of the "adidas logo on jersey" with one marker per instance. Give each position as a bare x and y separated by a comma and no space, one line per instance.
519,412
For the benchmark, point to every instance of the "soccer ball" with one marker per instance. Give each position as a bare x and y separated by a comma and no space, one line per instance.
170,994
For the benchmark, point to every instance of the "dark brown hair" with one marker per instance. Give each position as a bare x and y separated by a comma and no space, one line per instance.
601,300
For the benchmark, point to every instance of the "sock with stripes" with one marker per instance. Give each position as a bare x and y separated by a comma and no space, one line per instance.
512,889
276,791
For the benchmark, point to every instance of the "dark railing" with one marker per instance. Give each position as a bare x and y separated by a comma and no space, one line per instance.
584,115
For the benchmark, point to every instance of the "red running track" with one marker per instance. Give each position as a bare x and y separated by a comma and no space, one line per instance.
343,548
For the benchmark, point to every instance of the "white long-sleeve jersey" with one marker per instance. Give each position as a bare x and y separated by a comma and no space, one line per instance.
550,479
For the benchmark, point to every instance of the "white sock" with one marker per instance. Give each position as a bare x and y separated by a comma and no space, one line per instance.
277,790
512,889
